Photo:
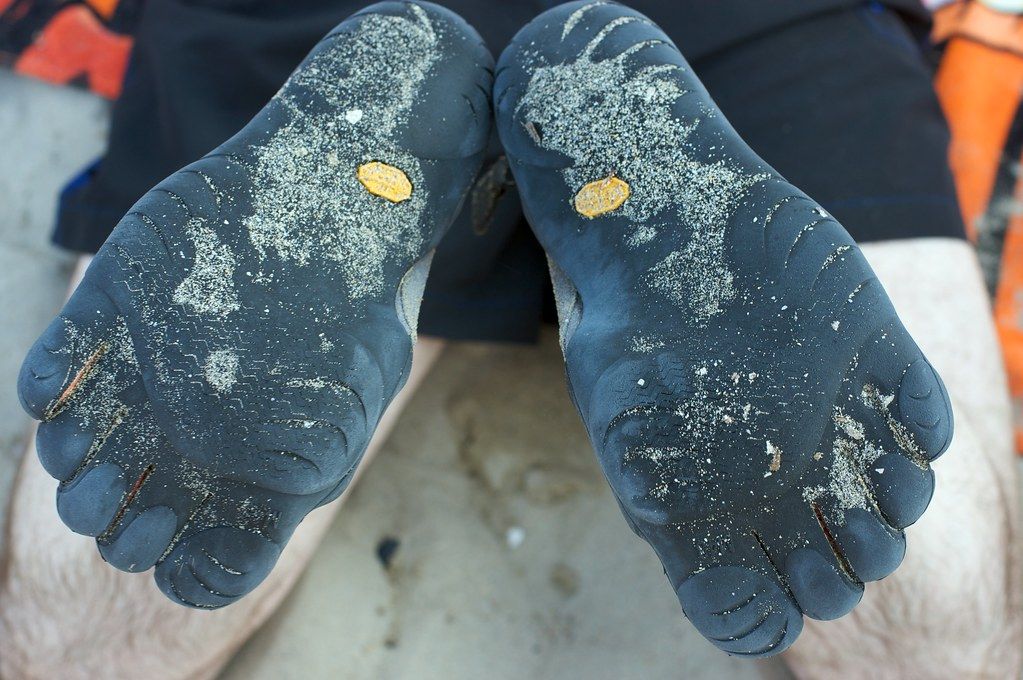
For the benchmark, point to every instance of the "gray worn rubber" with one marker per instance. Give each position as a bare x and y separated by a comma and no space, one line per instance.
222,366
762,416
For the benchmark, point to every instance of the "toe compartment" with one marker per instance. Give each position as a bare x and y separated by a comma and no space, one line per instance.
740,612
88,505
822,591
47,370
871,549
67,354
62,445
925,408
215,567
902,489
141,544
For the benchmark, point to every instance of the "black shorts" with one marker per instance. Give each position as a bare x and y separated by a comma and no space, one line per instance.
835,94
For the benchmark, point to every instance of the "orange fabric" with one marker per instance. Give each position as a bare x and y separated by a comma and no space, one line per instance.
981,90
1009,314
76,44
104,8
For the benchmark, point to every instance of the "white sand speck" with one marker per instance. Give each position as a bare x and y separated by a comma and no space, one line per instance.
221,370
774,452
575,17
851,455
208,289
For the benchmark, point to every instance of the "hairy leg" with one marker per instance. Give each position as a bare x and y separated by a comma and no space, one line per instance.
64,613
953,609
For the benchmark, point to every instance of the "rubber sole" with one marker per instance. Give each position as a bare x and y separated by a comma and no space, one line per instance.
764,419
222,366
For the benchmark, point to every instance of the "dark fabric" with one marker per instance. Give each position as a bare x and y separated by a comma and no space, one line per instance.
835,94
843,107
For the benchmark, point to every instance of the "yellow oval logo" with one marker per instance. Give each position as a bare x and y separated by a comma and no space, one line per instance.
385,181
601,196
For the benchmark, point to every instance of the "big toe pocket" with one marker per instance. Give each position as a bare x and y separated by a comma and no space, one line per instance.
46,371
215,567
740,612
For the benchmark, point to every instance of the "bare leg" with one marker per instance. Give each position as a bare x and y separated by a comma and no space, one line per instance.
953,609
63,613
